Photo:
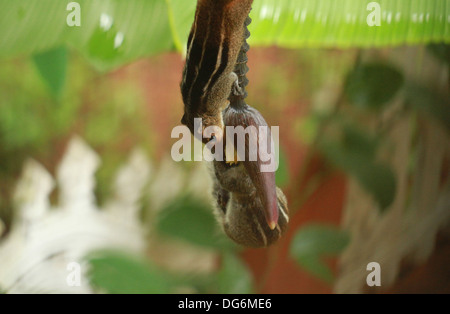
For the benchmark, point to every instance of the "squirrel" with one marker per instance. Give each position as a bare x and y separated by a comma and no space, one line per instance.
250,207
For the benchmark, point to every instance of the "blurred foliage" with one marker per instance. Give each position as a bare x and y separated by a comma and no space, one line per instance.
192,220
441,51
375,177
372,85
120,273
234,277
53,66
117,273
429,102
355,151
314,242
33,122
346,142
187,219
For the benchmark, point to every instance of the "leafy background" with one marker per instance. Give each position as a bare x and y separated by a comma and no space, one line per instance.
317,69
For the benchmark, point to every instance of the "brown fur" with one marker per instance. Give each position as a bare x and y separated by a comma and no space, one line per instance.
240,210
208,19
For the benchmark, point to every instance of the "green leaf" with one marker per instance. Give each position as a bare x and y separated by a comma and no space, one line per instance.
354,150
430,102
315,241
112,32
376,178
181,14
115,32
282,174
234,276
359,142
440,51
117,273
331,23
372,85
52,65
192,220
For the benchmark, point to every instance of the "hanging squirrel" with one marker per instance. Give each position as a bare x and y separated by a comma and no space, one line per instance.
251,209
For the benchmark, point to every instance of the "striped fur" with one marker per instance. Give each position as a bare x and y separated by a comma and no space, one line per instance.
213,46
240,210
